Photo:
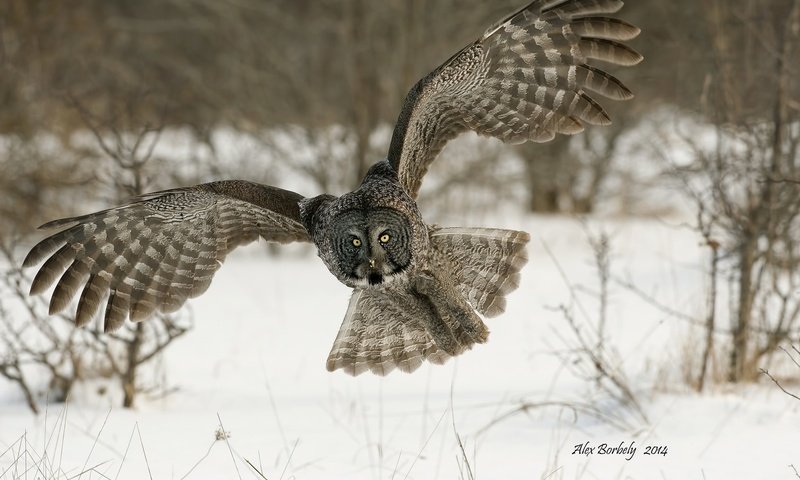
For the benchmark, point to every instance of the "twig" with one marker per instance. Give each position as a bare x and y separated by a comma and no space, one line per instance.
465,460
125,455
289,460
553,472
574,407
396,465
628,285
422,449
228,443
601,248
604,369
63,434
144,453
95,440
208,452
460,443
573,295
595,351
254,469
790,355
91,470
765,372
274,406
367,436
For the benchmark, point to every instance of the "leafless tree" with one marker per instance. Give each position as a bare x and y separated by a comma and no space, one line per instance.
69,355
738,183
568,174
129,155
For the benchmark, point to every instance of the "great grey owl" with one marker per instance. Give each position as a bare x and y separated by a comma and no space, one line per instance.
418,290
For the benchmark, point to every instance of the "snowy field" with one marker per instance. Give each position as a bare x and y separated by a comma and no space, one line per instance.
509,409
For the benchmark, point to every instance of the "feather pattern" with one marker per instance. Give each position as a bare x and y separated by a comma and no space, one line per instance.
419,291
158,251
484,262
397,327
526,79
431,315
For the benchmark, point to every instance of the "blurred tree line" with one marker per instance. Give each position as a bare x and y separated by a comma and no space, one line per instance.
253,64
126,71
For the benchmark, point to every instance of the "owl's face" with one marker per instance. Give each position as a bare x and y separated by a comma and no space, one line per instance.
371,246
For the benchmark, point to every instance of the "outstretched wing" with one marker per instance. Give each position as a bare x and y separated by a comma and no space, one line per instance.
158,251
525,79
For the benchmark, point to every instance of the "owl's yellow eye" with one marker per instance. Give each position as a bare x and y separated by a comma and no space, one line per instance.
385,238
357,242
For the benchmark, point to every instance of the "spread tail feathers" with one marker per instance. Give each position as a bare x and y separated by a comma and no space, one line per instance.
485,263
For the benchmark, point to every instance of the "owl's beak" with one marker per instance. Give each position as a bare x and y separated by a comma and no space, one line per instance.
374,277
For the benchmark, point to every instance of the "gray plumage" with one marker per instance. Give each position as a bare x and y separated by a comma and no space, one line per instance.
158,251
418,289
524,79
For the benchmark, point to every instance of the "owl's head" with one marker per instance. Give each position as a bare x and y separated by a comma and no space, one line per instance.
369,246
369,236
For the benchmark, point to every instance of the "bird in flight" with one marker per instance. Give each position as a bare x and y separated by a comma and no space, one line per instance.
419,290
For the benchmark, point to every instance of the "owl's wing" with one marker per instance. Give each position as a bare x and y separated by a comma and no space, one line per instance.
158,251
380,334
526,79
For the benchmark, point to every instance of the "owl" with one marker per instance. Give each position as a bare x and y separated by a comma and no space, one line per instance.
420,291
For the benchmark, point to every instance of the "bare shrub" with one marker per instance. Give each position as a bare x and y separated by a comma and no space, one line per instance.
39,176
46,353
739,176
587,353
54,346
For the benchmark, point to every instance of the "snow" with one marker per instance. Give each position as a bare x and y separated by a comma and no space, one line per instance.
255,361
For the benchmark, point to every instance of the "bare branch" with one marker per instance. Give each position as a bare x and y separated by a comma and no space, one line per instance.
765,372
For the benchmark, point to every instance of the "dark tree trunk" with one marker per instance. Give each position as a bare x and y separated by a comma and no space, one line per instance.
744,314
711,319
132,363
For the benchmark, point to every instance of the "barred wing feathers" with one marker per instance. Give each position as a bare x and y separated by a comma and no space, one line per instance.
160,250
526,79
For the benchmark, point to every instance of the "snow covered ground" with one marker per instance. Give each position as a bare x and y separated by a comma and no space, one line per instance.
255,362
